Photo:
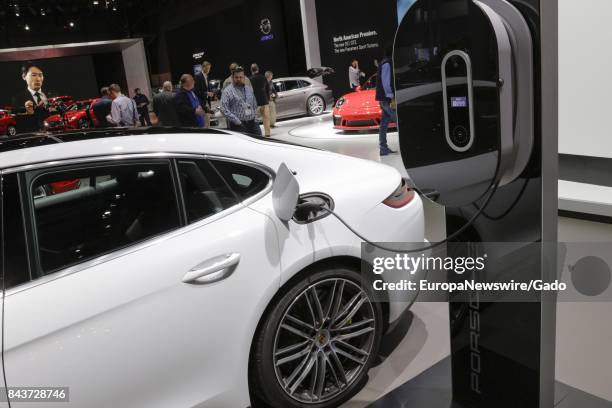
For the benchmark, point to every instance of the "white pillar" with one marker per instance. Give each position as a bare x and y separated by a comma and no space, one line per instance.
136,69
311,33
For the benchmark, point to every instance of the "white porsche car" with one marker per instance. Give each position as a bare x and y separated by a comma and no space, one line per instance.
176,270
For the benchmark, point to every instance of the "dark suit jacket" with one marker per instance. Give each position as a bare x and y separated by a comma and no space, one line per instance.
40,112
165,109
201,88
101,109
186,113
261,88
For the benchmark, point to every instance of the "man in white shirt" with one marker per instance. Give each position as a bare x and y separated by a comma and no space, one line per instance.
123,109
355,75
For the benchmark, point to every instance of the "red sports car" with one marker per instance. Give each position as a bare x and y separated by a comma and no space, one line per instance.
8,124
78,116
359,110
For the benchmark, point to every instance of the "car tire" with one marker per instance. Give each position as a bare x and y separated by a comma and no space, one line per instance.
84,124
326,361
315,105
11,131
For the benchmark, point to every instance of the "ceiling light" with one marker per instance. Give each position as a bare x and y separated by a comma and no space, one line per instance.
26,27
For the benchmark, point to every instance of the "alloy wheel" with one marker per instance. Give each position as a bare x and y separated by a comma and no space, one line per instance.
324,340
11,131
316,105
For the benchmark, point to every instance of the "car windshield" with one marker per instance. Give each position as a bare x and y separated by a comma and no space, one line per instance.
79,105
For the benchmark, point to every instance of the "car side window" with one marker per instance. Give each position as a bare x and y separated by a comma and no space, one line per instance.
304,84
204,191
246,181
279,86
291,85
16,268
82,213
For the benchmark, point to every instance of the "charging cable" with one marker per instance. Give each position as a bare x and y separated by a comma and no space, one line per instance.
312,207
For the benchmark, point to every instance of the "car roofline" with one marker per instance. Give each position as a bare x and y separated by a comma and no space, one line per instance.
8,144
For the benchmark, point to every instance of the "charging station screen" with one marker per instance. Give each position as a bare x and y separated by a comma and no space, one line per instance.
458,102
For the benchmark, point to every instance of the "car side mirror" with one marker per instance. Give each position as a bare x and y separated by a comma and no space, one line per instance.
285,193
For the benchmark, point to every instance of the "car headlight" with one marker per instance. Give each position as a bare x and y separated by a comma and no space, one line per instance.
340,102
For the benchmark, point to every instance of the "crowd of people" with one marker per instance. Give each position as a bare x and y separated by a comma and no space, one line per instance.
187,105
191,104
243,99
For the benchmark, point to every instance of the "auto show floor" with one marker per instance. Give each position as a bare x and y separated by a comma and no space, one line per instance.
418,349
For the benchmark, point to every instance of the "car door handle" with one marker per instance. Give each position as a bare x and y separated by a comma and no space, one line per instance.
213,270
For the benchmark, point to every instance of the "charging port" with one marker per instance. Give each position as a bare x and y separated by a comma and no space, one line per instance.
311,207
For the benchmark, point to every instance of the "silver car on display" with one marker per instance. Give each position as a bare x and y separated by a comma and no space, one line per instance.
297,96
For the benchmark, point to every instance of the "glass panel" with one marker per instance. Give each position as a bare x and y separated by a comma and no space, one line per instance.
84,213
246,181
15,252
204,191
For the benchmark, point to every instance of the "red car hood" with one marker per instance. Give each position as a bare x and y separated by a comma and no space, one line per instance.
360,102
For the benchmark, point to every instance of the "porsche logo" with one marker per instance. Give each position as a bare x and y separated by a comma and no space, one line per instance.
265,26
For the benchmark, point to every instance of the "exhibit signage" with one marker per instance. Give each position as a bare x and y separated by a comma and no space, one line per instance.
360,34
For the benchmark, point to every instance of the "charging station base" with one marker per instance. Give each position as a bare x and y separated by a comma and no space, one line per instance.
433,389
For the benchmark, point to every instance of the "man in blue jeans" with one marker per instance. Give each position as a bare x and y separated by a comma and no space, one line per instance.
384,96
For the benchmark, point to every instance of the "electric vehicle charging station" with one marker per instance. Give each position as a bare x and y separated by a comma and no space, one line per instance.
476,102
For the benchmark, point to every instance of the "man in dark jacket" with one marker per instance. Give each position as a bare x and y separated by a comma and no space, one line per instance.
164,108
188,106
33,77
142,102
202,90
261,89
102,107
385,95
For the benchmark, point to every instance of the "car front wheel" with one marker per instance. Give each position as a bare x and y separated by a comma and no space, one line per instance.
11,131
315,105
316,344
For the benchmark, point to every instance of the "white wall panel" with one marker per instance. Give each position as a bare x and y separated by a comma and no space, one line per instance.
585,73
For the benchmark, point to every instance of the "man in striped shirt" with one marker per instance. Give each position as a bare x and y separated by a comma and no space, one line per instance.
239,106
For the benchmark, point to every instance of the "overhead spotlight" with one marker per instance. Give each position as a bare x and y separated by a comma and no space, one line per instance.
71,24
96,2
43,12
26,27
